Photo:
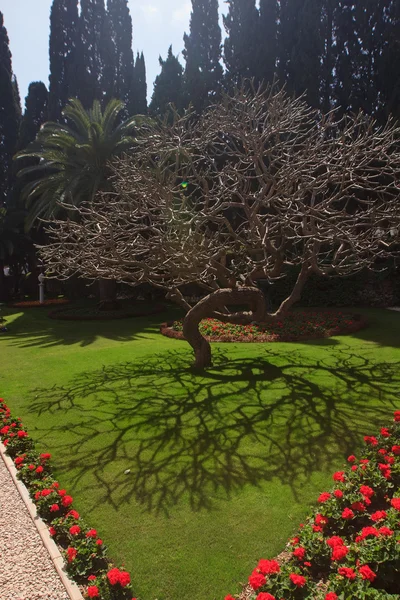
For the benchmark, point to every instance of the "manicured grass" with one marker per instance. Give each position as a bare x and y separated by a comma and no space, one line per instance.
223,466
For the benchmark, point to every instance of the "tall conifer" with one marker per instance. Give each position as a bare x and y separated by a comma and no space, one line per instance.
36,113
241,46
95,53
64,55
268,39
203,72
138,96
118,57
10,111
168,86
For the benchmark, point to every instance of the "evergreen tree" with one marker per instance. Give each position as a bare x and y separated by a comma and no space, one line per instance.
301,47
95,53
119,62
389,64
241,46
203,72
168,86
36,113
10,112
138,97
64,56
268,39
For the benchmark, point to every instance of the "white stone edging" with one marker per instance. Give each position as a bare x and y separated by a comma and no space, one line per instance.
71,587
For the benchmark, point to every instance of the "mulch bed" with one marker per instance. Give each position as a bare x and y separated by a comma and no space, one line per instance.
36,303
85,314
358,324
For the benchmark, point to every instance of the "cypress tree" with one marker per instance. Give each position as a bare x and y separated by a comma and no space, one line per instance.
348,57
203,72
64,56
119,63
168,86
268,39
138,95
241,46
94,53
36,113
389,64
301,47
10,112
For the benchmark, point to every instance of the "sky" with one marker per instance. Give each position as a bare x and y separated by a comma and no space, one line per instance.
156,25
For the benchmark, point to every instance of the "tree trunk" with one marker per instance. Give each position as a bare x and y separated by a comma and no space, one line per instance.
296,292
3,291
108,294
213,305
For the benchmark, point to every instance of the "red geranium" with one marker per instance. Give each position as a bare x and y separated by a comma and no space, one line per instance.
331,596
22,434
52,531
73,513
71,553
324,497
347,513
367,573
257,580
358,506
385,432
265,596
74,530
385,531
267,567
299,553
367,491
93,591
321,520
395,502
339,552
351,458
338,476
397,415
91,533
396,449
378,515
124,578
338,494
370,439
298,580
347,572
67,500
113,576
335,540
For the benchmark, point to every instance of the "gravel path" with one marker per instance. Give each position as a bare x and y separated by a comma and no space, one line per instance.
26,569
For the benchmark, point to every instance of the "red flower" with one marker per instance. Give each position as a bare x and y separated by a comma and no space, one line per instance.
39,469
370,439
37,495
299,553
397,415
385,470
347,572
71,553
378,515
331,596
385,531
113,576
99,542
364,461
298,580
366,531
22,434
367,491
67,501
382,451
338,494
385,432
73,513
317,528
124,578
228,597
92,578
347,514
338,476
31,467
74,530
367,573
339,552
46,492
307,563
324,497
45,456
20,459
351,459
257,580
62,492
395,502
92,533
358,506
354,468
396,450
321,520
335,540
267,567
93,591
265,596
52,531
54,508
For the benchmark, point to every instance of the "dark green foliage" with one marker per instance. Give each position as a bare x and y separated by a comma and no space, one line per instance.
203,72
119,63
36,113
138,98
64,55
10,111
241,46
268,39
168,86
388,68
95,53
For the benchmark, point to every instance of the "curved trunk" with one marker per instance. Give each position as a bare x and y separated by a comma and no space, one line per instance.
213,306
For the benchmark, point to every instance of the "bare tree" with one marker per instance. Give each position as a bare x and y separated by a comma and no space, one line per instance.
260,184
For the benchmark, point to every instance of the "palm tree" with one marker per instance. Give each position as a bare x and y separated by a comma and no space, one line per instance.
72,162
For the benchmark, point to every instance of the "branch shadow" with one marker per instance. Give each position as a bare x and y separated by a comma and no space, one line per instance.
197,437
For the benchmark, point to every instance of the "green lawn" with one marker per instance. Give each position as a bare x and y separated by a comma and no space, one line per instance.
223,466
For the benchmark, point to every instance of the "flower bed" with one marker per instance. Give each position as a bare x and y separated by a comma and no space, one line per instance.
35,303
84,551
295,326
350,547
91,313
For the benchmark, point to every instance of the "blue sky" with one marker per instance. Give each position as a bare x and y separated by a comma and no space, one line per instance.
156,25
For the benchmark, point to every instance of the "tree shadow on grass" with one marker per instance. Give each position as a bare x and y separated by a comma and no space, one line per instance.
202,437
